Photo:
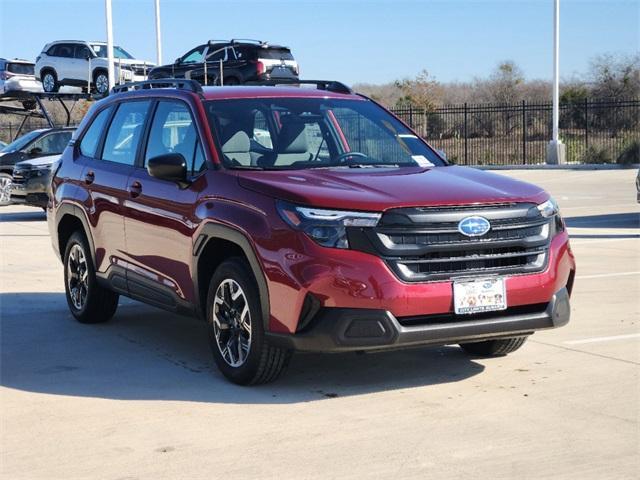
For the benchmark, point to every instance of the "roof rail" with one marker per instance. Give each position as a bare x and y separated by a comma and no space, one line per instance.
248,40
328,85
179,83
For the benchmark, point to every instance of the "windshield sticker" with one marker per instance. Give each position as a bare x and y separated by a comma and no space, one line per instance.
422,161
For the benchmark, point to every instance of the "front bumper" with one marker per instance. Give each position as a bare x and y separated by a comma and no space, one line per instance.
352,329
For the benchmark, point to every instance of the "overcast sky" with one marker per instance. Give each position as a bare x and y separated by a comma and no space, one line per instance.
353,41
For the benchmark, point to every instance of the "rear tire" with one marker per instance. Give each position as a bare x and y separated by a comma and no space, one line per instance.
101,82
236,329
494,348
88,301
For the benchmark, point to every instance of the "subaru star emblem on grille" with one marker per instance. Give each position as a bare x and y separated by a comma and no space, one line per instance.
474,226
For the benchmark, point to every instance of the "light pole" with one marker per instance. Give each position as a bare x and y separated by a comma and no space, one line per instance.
158,37
556,149
110,68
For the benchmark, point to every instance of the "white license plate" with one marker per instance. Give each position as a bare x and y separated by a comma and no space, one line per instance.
483,295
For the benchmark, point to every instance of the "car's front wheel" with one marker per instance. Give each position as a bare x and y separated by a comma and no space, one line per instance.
88,301
5,189
494,348
50,82
236,331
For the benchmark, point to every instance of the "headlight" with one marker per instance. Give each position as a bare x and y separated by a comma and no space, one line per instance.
327,227
549,208
40,170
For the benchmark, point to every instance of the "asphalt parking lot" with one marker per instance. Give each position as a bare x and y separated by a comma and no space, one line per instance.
140,397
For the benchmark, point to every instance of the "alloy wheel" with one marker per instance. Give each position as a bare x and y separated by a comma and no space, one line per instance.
5,189
48,82
232,322
77,277
102,83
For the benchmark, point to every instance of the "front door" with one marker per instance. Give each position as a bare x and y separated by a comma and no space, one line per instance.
159,214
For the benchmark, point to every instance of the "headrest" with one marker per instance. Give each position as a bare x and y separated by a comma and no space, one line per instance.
238,143
292,138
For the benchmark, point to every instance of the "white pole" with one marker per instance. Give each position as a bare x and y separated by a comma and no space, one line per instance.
556,152
111,69
158,35
556,71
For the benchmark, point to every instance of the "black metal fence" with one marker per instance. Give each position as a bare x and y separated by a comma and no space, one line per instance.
594,131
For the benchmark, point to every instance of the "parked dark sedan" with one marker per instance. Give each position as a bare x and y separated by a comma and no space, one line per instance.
31,178
38,143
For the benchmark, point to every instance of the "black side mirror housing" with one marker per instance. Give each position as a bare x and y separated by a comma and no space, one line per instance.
177,60
35,151
170,166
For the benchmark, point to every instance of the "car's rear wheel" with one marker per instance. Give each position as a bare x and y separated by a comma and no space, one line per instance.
88,301
236,331
494,348
5,189
50,82
101,82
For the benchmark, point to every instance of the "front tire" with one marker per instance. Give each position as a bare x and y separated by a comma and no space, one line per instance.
236,331
5,189
88,301
50,82
494,348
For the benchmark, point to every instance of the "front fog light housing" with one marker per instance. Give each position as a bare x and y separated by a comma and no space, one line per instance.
326,227
549,208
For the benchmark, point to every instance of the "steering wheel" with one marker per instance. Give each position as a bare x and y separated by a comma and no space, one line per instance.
343,156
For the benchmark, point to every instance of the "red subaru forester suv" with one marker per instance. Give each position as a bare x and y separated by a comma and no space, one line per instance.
293,218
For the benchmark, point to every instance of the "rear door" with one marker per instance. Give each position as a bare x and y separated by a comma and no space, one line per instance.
159,215
108,160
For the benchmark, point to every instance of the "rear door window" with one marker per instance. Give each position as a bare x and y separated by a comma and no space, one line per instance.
125,131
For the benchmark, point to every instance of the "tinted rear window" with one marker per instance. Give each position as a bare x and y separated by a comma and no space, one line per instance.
20,68
275,54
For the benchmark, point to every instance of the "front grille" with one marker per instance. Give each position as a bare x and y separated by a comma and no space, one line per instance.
424,244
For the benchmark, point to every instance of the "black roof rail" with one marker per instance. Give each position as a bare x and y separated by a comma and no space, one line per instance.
328,85
179,83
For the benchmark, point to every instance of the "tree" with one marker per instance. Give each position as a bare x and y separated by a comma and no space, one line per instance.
423,92
615,76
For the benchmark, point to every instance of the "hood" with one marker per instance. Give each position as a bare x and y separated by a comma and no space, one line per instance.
383,188
40,161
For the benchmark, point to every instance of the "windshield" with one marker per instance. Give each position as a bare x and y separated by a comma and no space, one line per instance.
298,133
118,52
21,142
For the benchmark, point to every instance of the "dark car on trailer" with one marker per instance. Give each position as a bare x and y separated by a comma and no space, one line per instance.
242,61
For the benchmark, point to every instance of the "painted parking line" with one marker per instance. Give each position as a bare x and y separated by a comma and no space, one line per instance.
606,275
602,339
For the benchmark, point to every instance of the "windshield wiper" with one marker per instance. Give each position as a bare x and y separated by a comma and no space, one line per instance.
244,167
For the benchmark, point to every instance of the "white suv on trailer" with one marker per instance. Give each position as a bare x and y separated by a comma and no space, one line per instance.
84,64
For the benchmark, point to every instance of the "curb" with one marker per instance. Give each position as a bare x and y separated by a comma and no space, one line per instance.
600,166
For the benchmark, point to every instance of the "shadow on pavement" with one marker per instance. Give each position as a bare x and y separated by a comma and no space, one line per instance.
34,216
147,354
612,220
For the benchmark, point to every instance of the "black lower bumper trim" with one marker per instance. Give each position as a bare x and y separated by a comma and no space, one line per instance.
349,329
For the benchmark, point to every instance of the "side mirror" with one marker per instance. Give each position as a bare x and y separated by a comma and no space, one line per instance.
442,154
170,166
177,60
35,151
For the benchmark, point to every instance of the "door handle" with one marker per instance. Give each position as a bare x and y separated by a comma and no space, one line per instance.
135,189
89,178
